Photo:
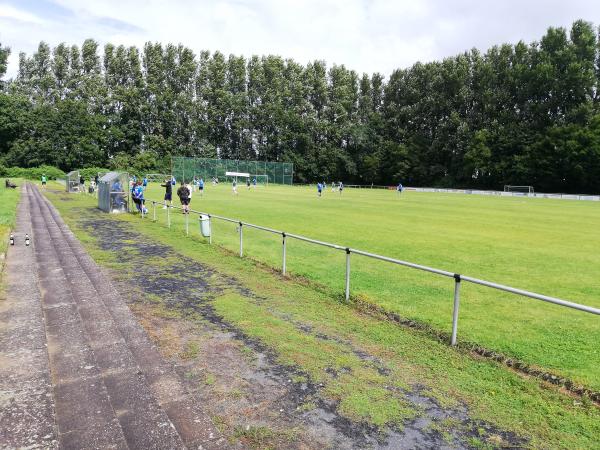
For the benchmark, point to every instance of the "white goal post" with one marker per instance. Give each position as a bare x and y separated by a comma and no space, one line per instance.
260,179
235,175
522,189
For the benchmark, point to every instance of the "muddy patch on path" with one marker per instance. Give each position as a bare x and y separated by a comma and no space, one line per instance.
253,400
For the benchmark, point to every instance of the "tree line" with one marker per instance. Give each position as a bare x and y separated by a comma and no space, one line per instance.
524,114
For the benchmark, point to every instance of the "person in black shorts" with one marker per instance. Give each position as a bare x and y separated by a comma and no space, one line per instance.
168,192
184,196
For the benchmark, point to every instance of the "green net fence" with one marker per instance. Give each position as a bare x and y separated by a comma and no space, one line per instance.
187,168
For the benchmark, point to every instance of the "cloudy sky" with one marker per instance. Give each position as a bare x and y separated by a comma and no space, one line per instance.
365,35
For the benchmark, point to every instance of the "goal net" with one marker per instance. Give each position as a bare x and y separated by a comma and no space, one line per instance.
261,180
184,168
522,189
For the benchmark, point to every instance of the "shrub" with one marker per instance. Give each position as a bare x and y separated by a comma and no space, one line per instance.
90,172
33,173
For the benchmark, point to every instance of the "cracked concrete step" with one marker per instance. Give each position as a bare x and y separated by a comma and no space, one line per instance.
193,425
84,414
26,401
143,422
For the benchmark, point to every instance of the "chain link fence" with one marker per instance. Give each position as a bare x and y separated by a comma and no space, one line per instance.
186,169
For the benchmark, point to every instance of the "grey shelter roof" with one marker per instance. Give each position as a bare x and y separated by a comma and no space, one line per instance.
110,176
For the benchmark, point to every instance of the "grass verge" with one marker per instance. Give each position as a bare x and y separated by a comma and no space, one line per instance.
369,367
8,210
543,245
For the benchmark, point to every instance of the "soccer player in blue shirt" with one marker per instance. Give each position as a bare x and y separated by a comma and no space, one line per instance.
319,188
138,197
399,188
201,186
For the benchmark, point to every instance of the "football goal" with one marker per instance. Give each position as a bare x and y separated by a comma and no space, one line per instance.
522,189
236,175
261,180
274,172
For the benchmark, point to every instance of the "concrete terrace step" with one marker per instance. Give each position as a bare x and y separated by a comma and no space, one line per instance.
83,322
26,400
149,399
84,414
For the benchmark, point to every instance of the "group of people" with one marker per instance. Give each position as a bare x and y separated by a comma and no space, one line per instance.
321,186
248,184
340,188
184,192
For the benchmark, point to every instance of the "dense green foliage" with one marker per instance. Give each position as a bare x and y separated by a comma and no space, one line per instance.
8,210
90,172
32,173
518,114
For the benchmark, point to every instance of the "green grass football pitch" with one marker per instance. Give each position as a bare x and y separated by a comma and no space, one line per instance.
543,245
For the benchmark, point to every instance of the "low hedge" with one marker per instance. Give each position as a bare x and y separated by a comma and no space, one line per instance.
32,173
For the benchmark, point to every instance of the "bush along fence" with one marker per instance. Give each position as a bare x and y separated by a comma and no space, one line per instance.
457,278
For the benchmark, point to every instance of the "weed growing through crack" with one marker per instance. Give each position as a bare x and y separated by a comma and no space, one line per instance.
191,351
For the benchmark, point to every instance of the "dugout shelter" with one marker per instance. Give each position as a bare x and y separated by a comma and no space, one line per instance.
72,181
113,192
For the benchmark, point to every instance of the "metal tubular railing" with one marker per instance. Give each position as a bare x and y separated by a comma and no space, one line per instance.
458,278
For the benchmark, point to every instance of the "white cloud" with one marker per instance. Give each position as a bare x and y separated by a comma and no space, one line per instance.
10,12
365,35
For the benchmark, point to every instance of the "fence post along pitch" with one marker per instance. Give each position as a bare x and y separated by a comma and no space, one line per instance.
187,223
456,305
241,240
154,210
283,263
211,230
169,216
347,274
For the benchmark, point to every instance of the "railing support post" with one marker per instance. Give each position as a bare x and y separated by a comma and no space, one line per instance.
168,216
210,229
154,210
241,240
347,274
187,223
284,251
456,305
